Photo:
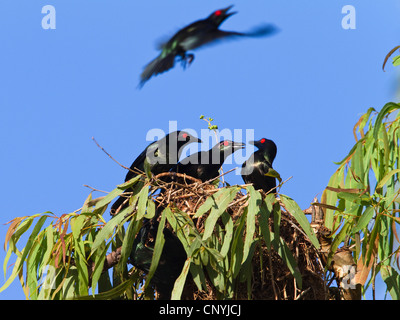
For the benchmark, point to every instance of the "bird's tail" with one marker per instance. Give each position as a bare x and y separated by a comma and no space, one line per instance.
157,66
260,31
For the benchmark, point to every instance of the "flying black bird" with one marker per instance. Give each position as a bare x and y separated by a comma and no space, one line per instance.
193,36
171,262
204,165
160,155
255,168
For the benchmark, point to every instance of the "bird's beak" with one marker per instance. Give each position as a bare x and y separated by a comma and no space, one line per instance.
228,14
238,145
255,143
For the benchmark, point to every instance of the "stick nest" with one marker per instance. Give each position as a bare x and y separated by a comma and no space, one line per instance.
271,278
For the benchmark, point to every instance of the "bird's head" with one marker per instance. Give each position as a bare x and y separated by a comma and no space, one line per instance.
184,137
221,15
171,145
224,149
227,145
267,146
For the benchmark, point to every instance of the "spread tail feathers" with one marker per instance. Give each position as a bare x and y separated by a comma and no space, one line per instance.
157,66
260,31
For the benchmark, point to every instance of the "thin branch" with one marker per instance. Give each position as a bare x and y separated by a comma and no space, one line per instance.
94,189
136,170
209,181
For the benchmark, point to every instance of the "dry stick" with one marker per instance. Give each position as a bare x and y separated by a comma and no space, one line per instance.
208,181
272,275
94,189
180,175
136,170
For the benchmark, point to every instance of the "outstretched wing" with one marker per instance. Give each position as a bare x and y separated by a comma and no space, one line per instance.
157,66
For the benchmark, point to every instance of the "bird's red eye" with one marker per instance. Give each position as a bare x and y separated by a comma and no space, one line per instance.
262,140
184,135
218,13
226,143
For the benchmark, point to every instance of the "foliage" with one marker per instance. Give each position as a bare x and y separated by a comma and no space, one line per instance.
234,236
362,199
67,257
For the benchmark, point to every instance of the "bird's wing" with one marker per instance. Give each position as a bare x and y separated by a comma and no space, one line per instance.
159,65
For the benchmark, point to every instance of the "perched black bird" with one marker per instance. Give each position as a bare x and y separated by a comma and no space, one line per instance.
160,155
171,262
194,36
204,165
255,168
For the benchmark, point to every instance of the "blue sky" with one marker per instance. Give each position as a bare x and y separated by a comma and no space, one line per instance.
304,88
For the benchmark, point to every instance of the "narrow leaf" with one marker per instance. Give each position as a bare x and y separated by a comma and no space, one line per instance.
180,282
300,217
222,199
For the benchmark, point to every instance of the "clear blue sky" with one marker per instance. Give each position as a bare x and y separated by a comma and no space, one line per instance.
304,88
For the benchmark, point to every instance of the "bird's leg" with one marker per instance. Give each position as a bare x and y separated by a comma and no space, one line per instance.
190,58
186,59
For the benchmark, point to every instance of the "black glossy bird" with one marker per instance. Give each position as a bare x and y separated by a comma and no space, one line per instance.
255,168
171,261
193,36
161,155
205,165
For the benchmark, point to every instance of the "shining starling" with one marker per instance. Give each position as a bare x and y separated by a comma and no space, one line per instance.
171,262
205,165
160,155
193,36
255,168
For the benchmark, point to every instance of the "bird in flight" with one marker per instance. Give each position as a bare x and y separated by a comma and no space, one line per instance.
193,36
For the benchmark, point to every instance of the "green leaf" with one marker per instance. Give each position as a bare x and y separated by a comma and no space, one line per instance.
357,165
338,240
392,280
111,294
227,221
13,275
386,178
31,240
142,202
107,231
287,257
387,108
180,282
133,229
151,209
221,200
396,61
237,245
364,219
273,173
253,209
158,247
204,207
108,198
330,198
99,258
130,183
298,214
360,199
265,213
